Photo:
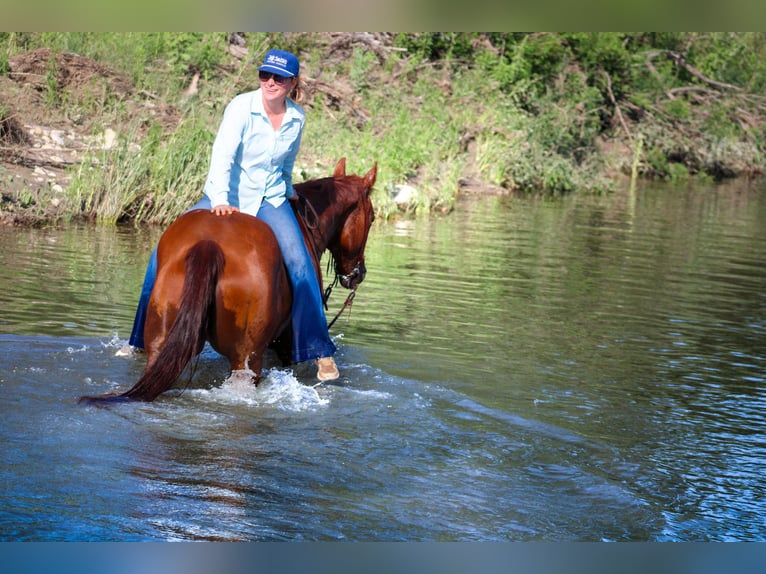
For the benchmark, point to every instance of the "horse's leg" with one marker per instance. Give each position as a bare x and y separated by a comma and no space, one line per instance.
252,305
253,364
163,309
235,332
156,332
282,341
282,345
246,353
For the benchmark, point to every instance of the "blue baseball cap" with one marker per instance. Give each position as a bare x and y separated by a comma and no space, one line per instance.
280,62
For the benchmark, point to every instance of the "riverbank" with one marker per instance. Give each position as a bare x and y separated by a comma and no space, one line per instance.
118,127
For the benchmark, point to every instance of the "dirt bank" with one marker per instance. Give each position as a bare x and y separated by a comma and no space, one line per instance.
40,138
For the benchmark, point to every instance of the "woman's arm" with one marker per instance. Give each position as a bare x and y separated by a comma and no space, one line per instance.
227,142
288,164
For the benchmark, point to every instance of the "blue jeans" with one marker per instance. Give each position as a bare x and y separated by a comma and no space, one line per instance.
309,325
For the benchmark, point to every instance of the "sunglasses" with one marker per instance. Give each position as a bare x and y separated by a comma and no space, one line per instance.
266,76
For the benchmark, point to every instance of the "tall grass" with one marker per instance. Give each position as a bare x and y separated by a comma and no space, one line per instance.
419,135
150,179
524,114
107,181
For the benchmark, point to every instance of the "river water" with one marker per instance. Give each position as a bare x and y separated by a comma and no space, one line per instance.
576,369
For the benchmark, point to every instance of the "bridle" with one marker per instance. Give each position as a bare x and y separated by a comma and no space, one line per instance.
342,278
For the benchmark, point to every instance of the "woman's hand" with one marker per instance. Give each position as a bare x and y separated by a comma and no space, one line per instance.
224,209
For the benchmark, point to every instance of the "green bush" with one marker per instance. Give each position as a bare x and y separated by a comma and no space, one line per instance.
526,111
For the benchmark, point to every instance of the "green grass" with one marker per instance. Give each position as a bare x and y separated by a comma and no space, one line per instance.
524,115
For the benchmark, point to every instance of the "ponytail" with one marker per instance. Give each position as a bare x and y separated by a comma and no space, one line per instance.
298,95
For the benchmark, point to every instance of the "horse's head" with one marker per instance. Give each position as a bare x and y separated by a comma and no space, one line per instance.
336,214
356,217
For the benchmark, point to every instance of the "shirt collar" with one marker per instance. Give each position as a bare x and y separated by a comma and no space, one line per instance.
256,107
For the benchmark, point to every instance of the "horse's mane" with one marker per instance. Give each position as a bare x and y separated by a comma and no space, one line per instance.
319,192
315,195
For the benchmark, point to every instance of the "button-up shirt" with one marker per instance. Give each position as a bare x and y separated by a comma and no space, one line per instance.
251,161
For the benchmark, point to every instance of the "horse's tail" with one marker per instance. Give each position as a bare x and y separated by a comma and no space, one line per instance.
204,264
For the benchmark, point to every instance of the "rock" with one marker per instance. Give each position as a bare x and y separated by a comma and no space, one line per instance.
405,194
110,138
57,137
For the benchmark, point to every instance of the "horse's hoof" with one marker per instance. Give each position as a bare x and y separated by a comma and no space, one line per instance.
127,351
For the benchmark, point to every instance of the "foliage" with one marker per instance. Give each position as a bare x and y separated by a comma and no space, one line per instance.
152,181
529,112
435,46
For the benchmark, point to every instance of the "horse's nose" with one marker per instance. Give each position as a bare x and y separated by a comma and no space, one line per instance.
358,276
355,277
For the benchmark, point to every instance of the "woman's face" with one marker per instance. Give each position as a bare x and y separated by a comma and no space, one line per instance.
276,88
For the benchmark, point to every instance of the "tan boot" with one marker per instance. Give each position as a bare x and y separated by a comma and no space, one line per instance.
326,369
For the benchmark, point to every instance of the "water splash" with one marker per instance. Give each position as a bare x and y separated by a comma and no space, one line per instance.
73,350
277,388
114,343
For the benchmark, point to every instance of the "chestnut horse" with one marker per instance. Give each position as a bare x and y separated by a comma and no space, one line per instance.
222,279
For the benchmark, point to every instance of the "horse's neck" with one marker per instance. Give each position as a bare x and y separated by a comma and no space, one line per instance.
313,225
318,222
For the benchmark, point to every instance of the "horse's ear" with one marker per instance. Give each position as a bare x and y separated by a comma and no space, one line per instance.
340,168
369,179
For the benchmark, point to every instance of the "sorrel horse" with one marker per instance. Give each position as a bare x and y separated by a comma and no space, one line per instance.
222,279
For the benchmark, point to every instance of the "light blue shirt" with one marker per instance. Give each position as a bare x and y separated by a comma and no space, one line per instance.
250,160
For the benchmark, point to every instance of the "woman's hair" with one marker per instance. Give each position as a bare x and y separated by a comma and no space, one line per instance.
298,94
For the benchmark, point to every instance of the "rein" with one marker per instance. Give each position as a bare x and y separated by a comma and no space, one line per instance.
347,303
307,206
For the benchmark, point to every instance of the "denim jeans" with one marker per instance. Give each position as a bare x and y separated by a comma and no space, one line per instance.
310,337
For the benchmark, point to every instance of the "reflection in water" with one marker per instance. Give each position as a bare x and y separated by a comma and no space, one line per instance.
71,281
644,329
523,369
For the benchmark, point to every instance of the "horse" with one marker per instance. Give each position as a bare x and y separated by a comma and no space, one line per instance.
223,280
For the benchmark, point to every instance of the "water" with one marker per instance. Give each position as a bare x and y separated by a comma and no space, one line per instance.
582,369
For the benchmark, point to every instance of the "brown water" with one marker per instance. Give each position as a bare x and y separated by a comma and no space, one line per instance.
523,369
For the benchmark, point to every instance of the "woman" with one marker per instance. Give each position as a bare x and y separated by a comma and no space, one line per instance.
251,171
